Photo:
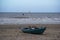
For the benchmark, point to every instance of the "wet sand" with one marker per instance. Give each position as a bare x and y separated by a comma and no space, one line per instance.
13,32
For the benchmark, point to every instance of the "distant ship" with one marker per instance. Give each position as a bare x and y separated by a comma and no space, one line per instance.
21,16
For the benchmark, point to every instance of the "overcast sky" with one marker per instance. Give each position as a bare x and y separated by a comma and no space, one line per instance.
29,5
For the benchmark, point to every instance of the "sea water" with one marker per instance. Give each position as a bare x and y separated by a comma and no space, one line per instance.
32,18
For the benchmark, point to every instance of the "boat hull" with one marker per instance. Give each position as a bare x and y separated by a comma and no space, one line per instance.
34,31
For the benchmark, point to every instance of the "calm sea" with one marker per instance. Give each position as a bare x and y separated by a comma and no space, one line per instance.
29,14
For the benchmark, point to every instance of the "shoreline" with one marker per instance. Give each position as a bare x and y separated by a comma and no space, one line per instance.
27,25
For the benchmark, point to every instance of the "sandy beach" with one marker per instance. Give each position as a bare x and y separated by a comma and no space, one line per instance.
13,32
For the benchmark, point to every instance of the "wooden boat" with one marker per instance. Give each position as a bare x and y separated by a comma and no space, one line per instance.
34,30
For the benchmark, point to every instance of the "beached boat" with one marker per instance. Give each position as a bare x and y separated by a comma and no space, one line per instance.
34,30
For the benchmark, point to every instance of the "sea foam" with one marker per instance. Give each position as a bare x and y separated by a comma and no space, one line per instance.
30,20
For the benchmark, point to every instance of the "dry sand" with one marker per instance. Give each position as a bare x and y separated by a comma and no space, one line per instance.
13,32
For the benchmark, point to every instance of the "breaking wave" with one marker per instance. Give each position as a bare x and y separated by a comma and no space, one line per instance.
30,20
